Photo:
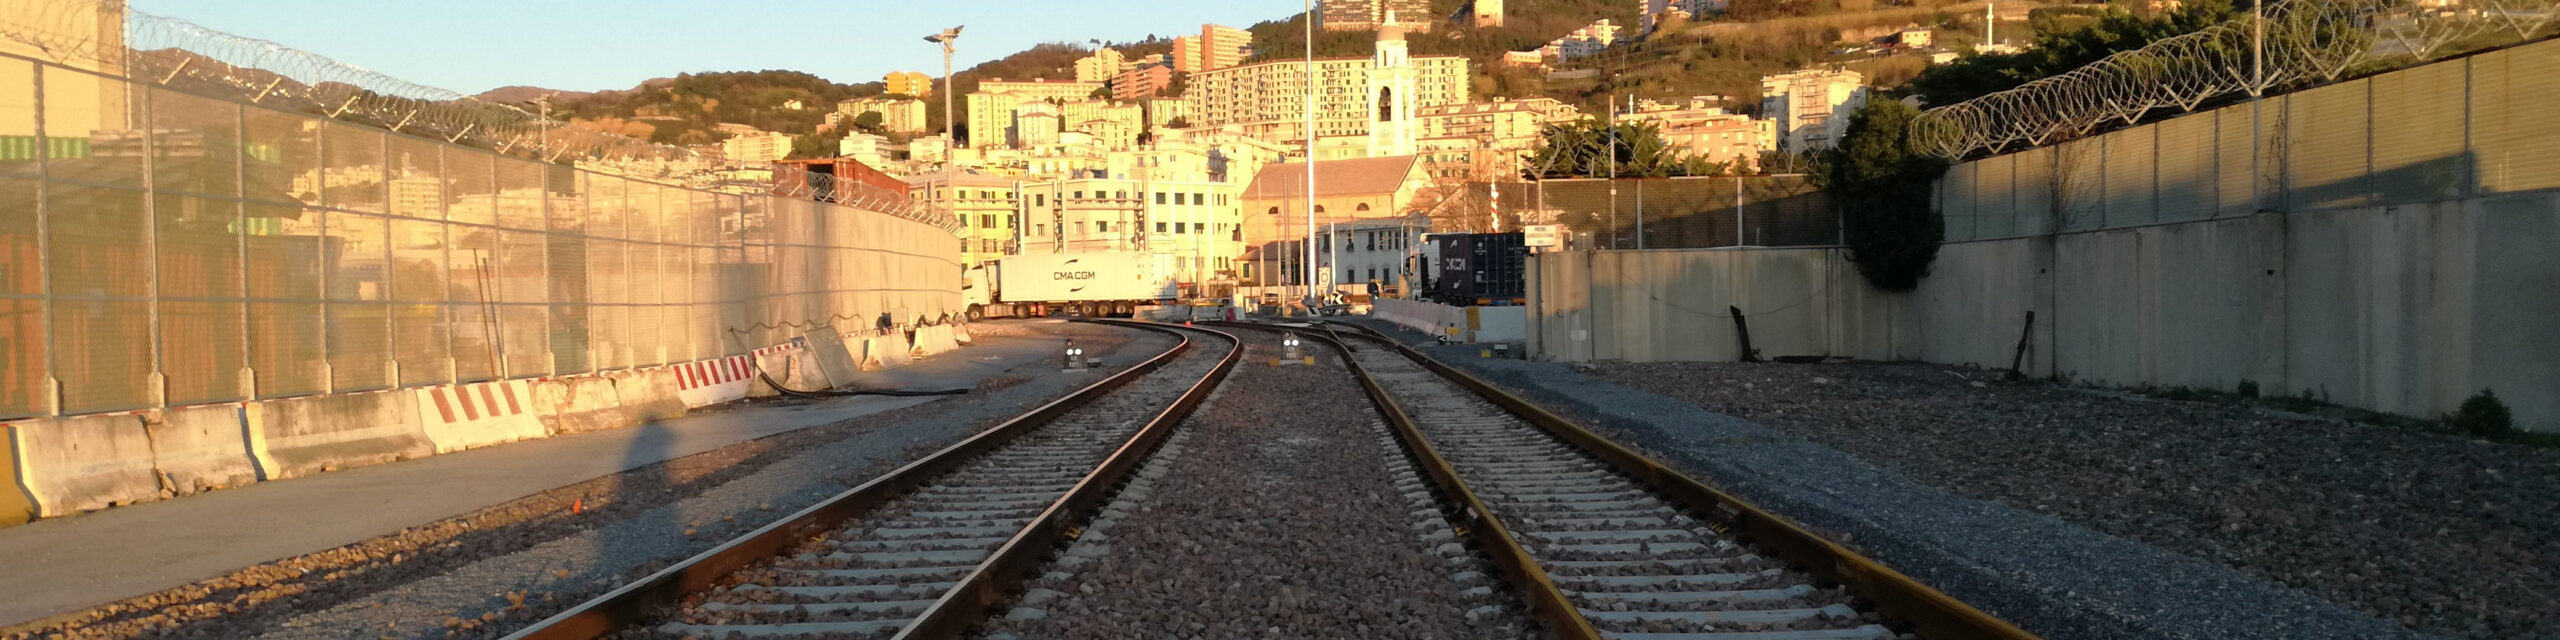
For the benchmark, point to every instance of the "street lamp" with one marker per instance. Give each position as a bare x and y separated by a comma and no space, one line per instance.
950,127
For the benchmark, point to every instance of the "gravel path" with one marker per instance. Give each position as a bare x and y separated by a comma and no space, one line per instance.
483,573
2446,535
1273,516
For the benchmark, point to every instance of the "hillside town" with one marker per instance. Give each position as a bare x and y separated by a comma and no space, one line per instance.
1179,153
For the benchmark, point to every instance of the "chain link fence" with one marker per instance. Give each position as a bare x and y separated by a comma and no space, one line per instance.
1679,213
163,247
2458,128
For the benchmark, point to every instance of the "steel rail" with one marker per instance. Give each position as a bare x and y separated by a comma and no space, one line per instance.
631,603
1473,519
992,583
1930,613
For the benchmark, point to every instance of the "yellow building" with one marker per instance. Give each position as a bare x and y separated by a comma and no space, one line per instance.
909,83
77,105
1114,127
991,107
1099,67
897,114
1268,100
987,207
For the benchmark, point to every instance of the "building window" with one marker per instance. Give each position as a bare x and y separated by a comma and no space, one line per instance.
1040,199
1101,226
1199,198
1159,194
1159,227
1363,207
1079,195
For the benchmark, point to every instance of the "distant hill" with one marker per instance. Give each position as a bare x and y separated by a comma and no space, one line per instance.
521,93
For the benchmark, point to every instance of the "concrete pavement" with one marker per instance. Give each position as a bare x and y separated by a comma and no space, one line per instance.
69,564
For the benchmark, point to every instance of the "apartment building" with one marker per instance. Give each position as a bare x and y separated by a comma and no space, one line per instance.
1161,112
991,108
1099,67
897,114
1811,107
987,207
760,146
1590,39
1364,15
1700,128
1215,48
1142,82
1268,100
1114,126
909,83
1196,224
1034,124
1486,140
1653,10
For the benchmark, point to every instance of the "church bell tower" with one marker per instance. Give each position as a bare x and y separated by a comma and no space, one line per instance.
1391,82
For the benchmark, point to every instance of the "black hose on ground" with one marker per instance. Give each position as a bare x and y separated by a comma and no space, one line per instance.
831,393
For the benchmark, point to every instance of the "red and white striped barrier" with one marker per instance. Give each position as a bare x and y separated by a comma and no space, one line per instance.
713,381
461,417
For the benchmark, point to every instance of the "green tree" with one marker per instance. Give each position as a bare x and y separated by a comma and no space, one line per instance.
868,122
1586,149
1882,188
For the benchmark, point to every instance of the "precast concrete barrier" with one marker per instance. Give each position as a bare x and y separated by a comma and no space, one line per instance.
779,362
201,448
458,417
78,463
889,351
709,382
649,394
960,334
933,340
295,437
17,504
578,405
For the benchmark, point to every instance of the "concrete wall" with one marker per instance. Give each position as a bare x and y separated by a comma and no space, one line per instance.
2385,242
1470,324
2406,309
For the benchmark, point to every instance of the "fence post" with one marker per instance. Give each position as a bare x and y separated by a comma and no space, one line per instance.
44,249
155,384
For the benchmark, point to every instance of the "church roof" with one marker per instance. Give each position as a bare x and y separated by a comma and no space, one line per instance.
1360,176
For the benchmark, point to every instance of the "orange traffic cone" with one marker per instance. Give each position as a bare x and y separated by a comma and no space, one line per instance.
577,506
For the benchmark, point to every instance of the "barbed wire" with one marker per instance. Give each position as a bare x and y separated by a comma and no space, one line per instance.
2305,41
174,53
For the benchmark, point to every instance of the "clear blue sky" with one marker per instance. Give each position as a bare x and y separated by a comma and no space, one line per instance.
586,45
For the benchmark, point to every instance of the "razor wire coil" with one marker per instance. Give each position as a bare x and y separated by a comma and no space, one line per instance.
2295,42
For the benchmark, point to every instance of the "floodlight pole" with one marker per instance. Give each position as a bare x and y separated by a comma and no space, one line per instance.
948,38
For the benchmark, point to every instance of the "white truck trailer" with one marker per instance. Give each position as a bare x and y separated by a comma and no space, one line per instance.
1091,284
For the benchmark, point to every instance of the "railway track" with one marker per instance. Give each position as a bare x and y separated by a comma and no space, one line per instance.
1605,543
926,549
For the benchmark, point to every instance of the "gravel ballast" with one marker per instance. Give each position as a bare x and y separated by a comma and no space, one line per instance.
2056,578
2443,534
484,573
1274,515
